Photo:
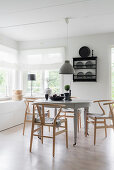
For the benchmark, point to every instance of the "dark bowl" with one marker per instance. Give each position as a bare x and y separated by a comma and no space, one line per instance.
57,98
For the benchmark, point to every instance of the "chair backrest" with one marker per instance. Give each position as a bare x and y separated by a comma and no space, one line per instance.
111,107
27,103
101,103
41,110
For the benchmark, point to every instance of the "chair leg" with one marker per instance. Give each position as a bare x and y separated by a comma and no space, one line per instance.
42,134
49,117
53,141
95,132
31,139
66,128
105,128
65,114
24,124
86,126
78,123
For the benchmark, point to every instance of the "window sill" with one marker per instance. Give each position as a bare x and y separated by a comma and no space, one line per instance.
5,98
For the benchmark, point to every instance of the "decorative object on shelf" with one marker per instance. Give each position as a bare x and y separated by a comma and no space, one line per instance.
84,52
89,75
80,75
31,77
67,95
56,98
17,95
89,64
66,68
79,64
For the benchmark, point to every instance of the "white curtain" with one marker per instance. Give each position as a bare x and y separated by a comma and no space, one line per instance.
35,59
8,57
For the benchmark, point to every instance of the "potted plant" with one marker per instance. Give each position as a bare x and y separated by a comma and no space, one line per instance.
67,88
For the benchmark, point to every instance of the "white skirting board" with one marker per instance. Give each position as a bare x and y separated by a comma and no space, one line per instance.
11,113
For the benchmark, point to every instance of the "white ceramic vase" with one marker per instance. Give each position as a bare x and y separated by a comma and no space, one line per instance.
48,91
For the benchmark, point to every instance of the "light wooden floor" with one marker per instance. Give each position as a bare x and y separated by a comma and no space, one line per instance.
15,155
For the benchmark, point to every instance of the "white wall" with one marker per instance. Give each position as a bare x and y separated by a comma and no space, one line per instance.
101,44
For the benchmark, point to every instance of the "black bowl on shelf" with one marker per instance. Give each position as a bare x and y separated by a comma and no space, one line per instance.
57,98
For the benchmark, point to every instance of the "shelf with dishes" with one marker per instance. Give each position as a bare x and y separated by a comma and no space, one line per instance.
88,76
85,69
84,65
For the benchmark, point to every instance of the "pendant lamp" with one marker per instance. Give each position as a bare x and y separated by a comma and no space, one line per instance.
66,68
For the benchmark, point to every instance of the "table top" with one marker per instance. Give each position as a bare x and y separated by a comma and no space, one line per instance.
74,101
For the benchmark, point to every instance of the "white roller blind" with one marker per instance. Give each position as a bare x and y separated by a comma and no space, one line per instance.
42,58
8,57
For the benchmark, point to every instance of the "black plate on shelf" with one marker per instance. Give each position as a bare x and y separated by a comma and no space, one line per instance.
89,75
80,75
79,64
57,98
89,64
84,51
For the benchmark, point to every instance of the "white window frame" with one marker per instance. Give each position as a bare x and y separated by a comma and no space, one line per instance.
8,85
110,67
43,81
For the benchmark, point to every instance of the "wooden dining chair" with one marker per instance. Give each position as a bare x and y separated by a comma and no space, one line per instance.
29,112
52,122
96,118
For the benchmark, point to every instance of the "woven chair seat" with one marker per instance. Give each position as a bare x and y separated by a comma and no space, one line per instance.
97,115
50,121
69,110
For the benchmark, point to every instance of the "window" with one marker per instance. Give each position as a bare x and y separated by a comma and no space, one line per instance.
112,74
44,79
8,70
37,85
45,63
53,80
3,83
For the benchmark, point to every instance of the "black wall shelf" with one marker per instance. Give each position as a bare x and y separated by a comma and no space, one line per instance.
85,69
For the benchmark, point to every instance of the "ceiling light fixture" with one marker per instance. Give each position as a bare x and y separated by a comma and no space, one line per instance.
67,68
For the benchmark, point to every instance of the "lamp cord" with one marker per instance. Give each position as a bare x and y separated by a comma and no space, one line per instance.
67,22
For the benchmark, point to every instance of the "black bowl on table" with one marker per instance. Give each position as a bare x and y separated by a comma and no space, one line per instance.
56,98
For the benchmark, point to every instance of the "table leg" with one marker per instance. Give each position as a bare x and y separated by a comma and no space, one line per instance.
86,110
55,111
75,125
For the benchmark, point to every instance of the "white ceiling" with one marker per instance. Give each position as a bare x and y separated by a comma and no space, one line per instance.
47,18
